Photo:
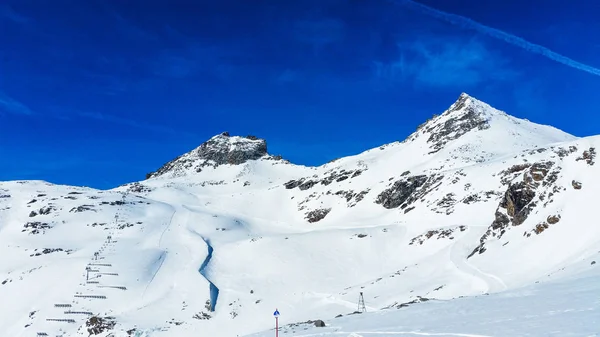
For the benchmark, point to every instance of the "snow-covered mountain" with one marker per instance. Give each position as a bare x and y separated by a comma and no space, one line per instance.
474,202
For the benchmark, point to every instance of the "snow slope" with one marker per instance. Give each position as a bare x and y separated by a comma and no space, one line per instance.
567,307
474,202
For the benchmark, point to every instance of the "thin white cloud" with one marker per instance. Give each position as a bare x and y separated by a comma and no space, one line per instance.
12,106
467,23
443,62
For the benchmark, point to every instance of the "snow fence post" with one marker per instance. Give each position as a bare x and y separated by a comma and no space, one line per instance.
276,315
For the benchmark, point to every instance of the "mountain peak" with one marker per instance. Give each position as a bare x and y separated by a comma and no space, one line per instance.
219,150
463,100
466,104
225,138
481,128
463,116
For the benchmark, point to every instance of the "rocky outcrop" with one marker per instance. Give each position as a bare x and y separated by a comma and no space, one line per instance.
541,227
49,251
553,219
462,117
352,198
82,208
137,188
564,152
330,177
510,173
98,325
222,149
517,202
226,150
454,128
317,214
588,156
520,198
400,191
36,227
445,233
406,191
333,176
446,204
419,299
318,323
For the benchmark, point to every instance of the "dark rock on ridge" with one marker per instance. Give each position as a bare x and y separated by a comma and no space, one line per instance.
222,149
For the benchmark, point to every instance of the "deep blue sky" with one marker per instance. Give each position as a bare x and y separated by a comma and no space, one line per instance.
98,93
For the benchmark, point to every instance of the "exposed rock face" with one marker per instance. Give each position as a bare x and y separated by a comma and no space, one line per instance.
446,204
317,214
541,227
516,199
219,150
399,193
138,188
510,173
336,176
36,227
98,325
227,150
588,155
519,196
351,197
519,199
331,176
406,191
553,219
462,116
319,323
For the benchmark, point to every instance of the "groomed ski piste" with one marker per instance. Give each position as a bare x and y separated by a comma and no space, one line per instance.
478,224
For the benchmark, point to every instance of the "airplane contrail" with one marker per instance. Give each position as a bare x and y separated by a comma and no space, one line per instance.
465,22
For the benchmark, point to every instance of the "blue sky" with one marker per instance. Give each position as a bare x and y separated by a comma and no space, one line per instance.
98,93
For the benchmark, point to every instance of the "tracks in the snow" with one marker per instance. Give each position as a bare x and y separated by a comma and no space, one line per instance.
487,282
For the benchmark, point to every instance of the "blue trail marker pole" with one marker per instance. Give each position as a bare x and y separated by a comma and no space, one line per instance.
276,314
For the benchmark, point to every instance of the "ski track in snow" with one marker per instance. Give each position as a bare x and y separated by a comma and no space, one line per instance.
163,256
162,259
496,283
458,256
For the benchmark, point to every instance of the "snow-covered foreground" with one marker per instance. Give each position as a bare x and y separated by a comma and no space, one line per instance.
474,225
567,307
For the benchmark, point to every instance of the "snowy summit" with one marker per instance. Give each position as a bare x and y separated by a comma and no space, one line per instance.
478,224
219,150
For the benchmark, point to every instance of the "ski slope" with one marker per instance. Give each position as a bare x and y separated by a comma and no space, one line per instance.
564,307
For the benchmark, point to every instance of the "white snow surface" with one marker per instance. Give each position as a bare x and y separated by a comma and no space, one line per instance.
164,252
